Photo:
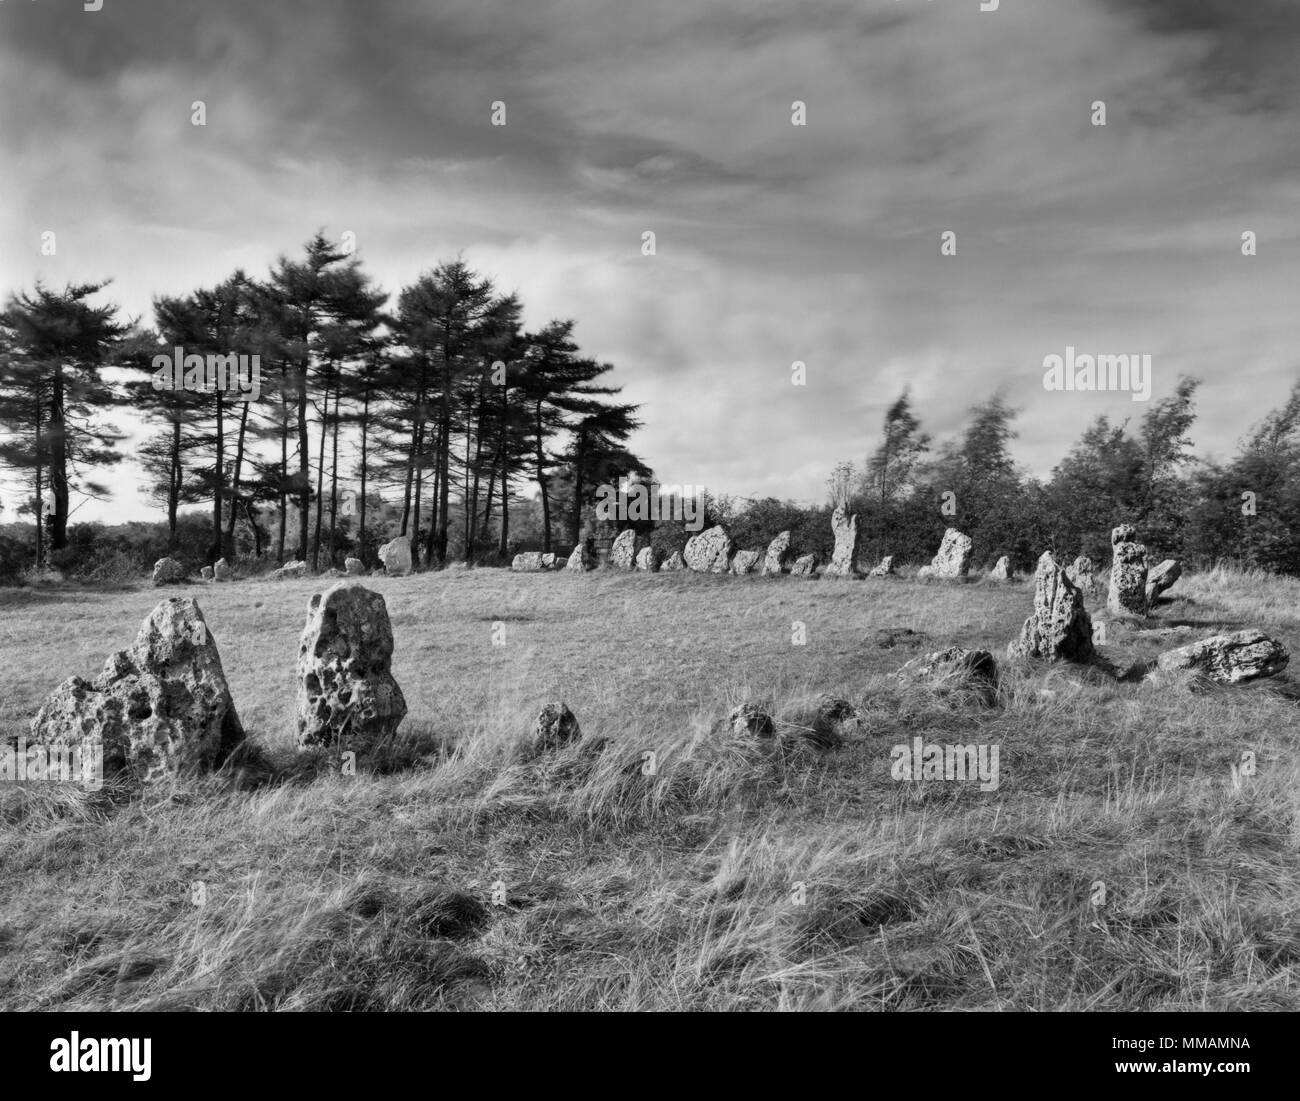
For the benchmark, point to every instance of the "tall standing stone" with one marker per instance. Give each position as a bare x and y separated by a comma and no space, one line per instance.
1084,575
622,555
844,559
582,558
1162,577
777,559
1128,573
159,708
953,560
1060,628
709,552
347,697
396,556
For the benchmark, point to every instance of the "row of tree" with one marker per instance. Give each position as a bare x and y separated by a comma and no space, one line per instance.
424,416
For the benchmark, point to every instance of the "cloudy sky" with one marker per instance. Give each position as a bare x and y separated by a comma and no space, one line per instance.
775,242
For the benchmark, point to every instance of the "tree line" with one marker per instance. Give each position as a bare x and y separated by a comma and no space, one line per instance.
422,414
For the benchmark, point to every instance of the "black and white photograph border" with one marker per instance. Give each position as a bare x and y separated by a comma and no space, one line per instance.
711,505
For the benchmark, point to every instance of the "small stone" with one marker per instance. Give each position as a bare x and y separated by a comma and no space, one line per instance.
554,727
745,562
674,561
751,720
885,568
396,556
222,571
206,573
168,571
354,567
647,559
806,566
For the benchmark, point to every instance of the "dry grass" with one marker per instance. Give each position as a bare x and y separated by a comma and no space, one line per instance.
737,877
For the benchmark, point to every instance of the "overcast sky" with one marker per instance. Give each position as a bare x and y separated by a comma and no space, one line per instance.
775,242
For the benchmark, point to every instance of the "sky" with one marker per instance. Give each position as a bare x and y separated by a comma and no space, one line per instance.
774,243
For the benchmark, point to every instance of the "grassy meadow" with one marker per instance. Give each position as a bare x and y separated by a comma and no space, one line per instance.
461,873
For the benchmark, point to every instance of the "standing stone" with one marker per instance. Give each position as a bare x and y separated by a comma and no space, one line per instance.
1231,658
347,697
1083,574
160,708
582,558
168,571
674,561
709,552
528,562
953,559
805,566
548,561
1001,570
222,571
844,559
777,559
555,726
1128,573
1060,628
647,558
745,562
622,555
1162,578
396,556
206,573
354,567
886,567
290,571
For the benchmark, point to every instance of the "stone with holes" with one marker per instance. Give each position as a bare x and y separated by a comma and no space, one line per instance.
554,727
709,552
159,708
777,559
168,571
844,558
746,561
1060,629
751,720
347,697
1229,658
953,560
1128,573
395,556
622,555
885,568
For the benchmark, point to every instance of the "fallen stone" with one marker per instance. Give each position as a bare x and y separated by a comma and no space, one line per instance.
347,697
290,571
1162,577
1229,658
159,708
395,556
751,720
709,551
954,669
844,559
1060,629
777,559
806,566
168,571
885,569
528,562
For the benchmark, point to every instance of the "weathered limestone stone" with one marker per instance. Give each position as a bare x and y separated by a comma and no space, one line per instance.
709,552
554,727
168,571
396,556
1230,658
206,573
746,561
622,555
160,708
1060,628
805,566
1128,573
222,571
347,697
647,558
548,561
924,572
844,559
885,569
777,559
354,567
1162,578
529,562
290,571
953,559
674,561
1084,575
954,668
1001,570
581,559
751,720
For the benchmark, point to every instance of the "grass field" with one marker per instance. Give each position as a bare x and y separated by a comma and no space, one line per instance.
1118,865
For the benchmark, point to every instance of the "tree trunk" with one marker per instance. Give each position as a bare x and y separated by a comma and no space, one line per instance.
320,475
228,543
541,482
284,475
334,475
365,458
219,475
304,468
58,464
444,449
